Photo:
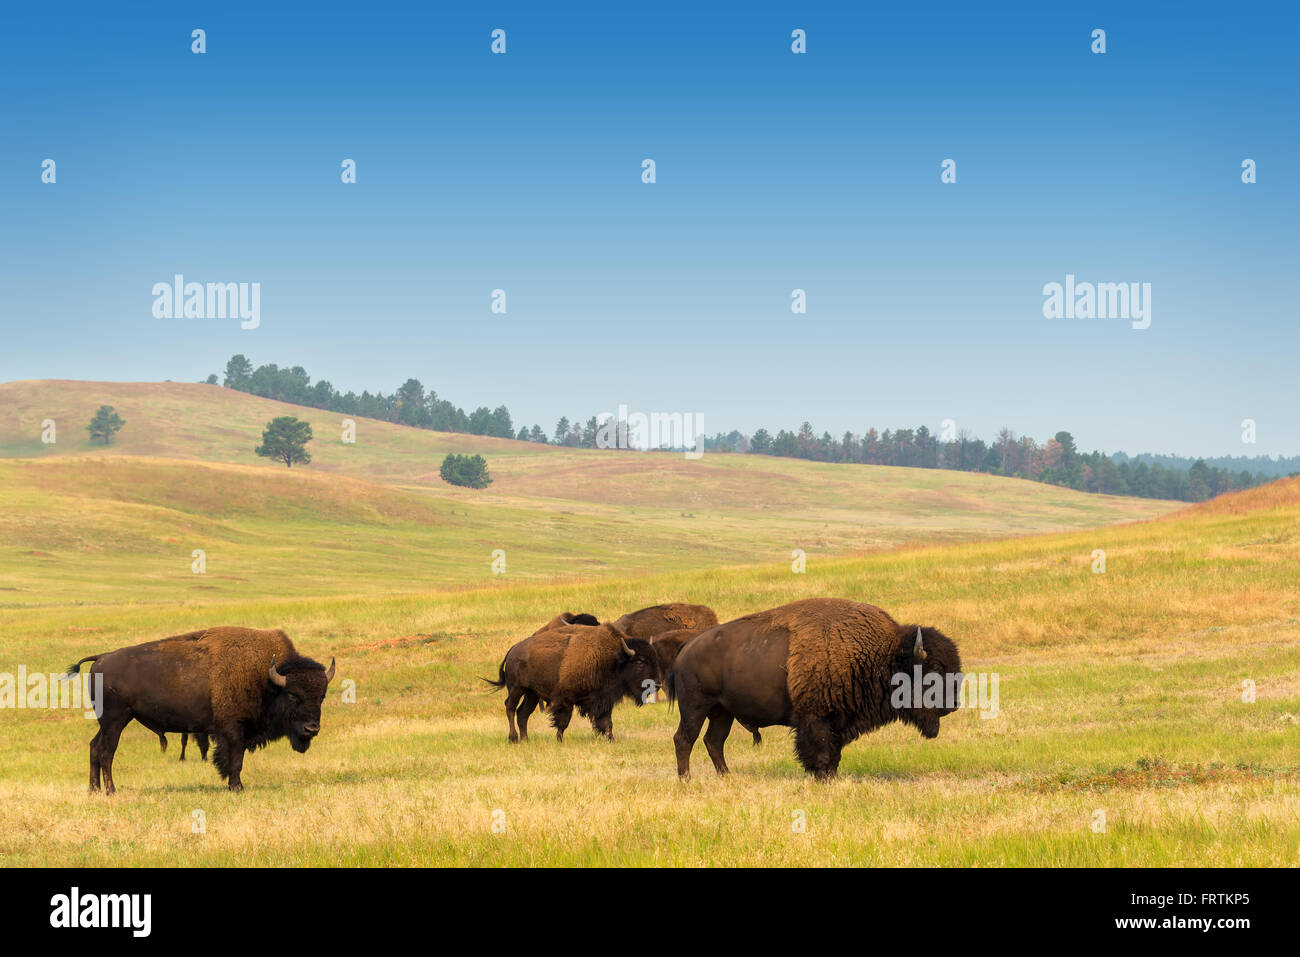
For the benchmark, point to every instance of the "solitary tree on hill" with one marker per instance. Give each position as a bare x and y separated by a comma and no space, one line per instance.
285,438
469,471
105,423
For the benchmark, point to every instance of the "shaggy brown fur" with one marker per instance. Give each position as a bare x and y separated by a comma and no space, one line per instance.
582,666
590,654
838,649
236,661
671,616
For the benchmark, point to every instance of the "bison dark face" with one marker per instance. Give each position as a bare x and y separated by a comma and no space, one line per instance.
926,683
296,690
638,670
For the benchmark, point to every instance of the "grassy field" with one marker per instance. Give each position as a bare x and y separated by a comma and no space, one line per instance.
1120,692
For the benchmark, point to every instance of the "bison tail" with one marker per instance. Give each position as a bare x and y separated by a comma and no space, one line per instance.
501,677
670,684
75,668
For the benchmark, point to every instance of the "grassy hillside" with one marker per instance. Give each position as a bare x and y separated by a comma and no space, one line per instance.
1119,692
87,523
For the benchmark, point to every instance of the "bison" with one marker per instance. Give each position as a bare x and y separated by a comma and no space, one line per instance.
199,738
567,618
823,666
245,686
671,616
590,667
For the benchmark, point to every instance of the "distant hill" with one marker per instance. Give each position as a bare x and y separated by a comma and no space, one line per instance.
1255,464
181,475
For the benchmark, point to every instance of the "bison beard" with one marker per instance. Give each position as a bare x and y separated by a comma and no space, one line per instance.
821,666
277,720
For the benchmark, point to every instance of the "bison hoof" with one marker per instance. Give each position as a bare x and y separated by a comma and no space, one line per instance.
236,786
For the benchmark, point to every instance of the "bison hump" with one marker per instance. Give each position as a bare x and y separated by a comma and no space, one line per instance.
589,660
840,652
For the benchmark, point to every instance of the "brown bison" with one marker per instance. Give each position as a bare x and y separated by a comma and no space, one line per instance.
245,686
567,618
590,667
823,666
670,616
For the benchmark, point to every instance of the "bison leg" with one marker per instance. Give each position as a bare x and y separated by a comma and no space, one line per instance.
688,731
229,757
560,717
202,741
719,727
512,702
818,748
162,744
94,759
603,724
185,739
111,732
526,708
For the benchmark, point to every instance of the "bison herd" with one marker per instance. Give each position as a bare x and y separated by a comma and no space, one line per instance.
825,667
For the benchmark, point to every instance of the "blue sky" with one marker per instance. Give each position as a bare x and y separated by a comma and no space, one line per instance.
775,171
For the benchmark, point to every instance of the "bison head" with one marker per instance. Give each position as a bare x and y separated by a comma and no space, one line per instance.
296,690
927,678
638,669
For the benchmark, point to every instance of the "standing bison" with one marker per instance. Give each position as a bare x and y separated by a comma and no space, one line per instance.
245,686
671,616
823,666
590,667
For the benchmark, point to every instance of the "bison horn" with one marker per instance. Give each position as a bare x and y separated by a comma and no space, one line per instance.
329,675
275,676
918,649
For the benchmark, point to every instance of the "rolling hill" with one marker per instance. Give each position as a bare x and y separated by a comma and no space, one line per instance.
93,523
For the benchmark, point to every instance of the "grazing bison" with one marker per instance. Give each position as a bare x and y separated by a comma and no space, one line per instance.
590,667
245,686
567,618
199,738
823,666
670,616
